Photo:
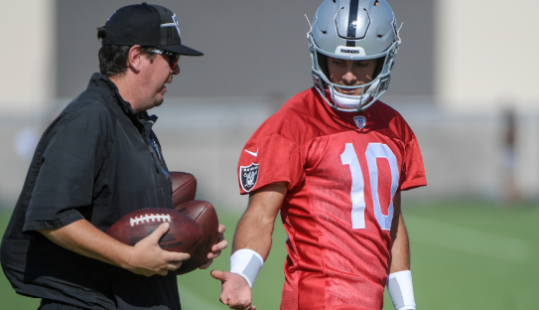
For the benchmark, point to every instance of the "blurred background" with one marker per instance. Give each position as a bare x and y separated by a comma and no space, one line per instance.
464,80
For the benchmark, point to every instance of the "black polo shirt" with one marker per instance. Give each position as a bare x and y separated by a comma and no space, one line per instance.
99,160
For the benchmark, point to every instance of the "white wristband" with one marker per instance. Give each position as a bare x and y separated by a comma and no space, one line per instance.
401,290
247,263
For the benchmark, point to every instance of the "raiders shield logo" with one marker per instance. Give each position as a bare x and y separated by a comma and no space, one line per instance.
248,176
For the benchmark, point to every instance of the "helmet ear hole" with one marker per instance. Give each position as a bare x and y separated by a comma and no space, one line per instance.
323,63
379,67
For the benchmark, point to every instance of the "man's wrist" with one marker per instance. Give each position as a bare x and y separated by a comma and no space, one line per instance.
401,290
246,263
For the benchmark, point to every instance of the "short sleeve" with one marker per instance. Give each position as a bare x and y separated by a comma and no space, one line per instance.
65,181
413,172
269,159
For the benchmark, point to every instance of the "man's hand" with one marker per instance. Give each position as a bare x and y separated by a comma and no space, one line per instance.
253,232
216,248
236,293
147,258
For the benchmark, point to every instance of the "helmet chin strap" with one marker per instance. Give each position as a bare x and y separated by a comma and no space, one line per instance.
352,102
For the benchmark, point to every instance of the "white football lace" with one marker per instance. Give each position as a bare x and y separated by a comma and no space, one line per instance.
149,218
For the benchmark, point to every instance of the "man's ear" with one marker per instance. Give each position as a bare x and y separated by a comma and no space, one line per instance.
134,58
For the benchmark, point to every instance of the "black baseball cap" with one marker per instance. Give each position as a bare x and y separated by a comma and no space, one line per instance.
146,25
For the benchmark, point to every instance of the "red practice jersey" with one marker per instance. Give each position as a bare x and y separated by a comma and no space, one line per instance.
343,171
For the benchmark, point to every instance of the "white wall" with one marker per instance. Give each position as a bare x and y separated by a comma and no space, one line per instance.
28,76
485,53
463,152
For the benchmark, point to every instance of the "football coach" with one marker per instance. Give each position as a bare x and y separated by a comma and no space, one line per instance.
98,161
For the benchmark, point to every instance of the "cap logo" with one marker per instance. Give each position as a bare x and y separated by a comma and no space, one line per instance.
173,24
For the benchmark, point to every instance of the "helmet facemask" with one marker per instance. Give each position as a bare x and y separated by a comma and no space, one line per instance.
381,43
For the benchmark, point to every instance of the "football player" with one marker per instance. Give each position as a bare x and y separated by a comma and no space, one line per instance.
334,161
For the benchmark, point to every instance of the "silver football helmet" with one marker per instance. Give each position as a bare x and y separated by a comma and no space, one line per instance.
353,30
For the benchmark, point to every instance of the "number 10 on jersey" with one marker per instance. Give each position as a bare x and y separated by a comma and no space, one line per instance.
357,193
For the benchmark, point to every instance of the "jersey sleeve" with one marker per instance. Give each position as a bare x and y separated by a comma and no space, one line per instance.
64,185
269,159
413,172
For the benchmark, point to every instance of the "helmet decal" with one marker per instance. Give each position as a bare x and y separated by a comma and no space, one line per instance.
352,24
346,51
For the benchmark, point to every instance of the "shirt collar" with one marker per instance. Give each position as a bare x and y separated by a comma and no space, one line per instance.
98,78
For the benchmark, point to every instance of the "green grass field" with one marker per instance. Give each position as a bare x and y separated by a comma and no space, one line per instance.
465,255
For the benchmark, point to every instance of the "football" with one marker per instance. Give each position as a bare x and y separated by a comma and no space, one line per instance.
203,213
183,236
184,187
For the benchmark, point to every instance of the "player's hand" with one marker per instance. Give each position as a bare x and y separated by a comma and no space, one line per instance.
235,291
147,258
216,248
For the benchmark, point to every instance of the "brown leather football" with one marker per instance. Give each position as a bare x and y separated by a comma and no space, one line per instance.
183,236
184,187
203,213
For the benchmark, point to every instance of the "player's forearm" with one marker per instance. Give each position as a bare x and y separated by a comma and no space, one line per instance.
252,240
400,252
255,228
85,239
399,283
254,233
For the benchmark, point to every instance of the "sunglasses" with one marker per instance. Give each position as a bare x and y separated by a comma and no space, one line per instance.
171,58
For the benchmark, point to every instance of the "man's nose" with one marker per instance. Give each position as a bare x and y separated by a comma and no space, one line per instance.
349,77
176,70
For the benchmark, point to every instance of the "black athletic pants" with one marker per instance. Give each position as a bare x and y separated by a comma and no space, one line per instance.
47,304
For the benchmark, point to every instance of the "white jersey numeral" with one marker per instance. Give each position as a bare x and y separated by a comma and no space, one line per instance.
357,193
